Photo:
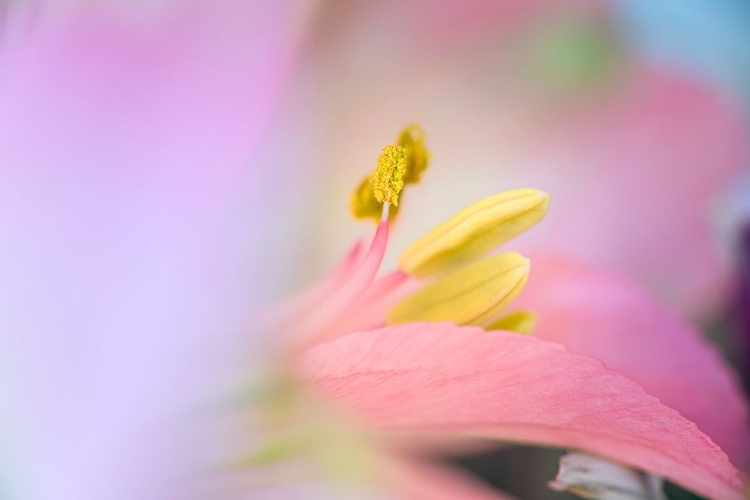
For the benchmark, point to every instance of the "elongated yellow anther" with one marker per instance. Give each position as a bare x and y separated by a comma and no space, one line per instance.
388,177
517,321
472,294
475,230
417,156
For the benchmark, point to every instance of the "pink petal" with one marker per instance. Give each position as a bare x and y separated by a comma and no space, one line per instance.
604,315
440,378
634,184
437,27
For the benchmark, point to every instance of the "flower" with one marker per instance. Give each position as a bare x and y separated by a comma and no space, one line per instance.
417,359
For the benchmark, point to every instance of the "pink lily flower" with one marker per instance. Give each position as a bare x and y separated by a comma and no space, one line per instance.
423,355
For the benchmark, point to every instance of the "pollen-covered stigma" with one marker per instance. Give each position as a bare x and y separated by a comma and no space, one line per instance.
399,165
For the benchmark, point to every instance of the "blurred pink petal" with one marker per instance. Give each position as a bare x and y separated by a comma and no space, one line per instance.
635,181
605,316
126,149
426,378
436,26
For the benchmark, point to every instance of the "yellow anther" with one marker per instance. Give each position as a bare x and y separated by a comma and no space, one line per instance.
475,230
398,165
364,205
417,156
517,321
472,294
388,177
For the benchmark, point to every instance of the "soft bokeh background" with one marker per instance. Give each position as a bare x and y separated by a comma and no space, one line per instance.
168,165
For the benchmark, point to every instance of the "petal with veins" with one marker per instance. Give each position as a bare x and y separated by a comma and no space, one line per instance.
444,379
648,343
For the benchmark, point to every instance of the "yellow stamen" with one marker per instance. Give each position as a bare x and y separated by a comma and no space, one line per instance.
475,230
388,178
417,156
517,321
472,294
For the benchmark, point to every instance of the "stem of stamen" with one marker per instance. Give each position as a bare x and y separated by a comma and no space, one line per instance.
319,324
295,308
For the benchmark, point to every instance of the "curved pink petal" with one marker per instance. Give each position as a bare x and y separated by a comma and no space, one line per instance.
604,315
440,378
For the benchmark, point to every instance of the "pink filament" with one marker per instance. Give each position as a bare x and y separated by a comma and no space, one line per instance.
385,285
304,302
370,310
322,321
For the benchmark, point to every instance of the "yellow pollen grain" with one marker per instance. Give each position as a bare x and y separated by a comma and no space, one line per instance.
388,178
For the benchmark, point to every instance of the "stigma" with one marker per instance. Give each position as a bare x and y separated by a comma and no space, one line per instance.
400,164
388,178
